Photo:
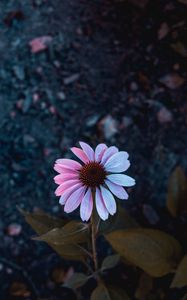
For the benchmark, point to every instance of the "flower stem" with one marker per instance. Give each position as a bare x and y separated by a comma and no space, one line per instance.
93,236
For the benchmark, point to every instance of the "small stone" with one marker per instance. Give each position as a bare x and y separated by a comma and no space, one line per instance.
133,86
61,95
108,126
126,122
71,79
164,116
172,81
163,31
40,43
91,121
14,229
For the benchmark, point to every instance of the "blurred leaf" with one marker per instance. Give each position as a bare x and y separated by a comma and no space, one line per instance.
177,192
42,222
73,232
145,285
19,289
60,275
183,1
108,293
179,48
110,262
76,280
121,220
70,252
153,251
180,278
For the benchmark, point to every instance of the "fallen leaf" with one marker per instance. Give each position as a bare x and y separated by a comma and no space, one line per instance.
154,251
180,278
172,81
40,43
19,289
163,31
177,192
180,49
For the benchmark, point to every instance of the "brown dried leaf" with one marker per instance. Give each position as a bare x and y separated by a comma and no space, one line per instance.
19,289
145,285
180,278
177,192
154,251
163,31
179,48
103,292
172,81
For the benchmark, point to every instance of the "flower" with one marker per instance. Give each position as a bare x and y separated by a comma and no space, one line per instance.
97,179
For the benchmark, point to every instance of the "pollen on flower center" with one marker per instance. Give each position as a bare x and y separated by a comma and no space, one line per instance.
92,174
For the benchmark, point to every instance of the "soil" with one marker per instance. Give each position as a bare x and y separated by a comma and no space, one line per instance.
113,72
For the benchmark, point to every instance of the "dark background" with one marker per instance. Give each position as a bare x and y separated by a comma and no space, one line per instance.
113,72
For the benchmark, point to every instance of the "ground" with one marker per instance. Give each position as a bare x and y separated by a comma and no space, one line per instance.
110,72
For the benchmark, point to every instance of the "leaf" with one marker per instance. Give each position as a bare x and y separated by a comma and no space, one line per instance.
145,285
110,262
108,293
180,278
177,192
73,232
183,1
76,280
19,289
153,251
121,220
42,222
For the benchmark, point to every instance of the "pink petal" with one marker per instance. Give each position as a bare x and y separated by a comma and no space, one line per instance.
59,179
74,200
60,169
87,150
109,200
100,206
121,179
68,192
117,190
80,154
69,163
86,206
40,43
65,185
99,151
117,162
108,153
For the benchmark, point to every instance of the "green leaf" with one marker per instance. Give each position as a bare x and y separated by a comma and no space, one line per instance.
154,251
77,280
121,220
110,262
73,232
42,222
177,192
180,278
103,292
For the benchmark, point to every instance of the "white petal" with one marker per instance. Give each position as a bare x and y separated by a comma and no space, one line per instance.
99,151
74,200
87,150
109,200
117,190
121,179
100,206
86,206
117,162
108,153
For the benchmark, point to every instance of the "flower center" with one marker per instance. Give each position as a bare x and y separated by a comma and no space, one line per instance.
92,174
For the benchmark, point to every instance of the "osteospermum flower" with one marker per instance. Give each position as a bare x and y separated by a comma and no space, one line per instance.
97,178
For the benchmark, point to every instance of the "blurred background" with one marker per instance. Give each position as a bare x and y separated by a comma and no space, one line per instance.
98,71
